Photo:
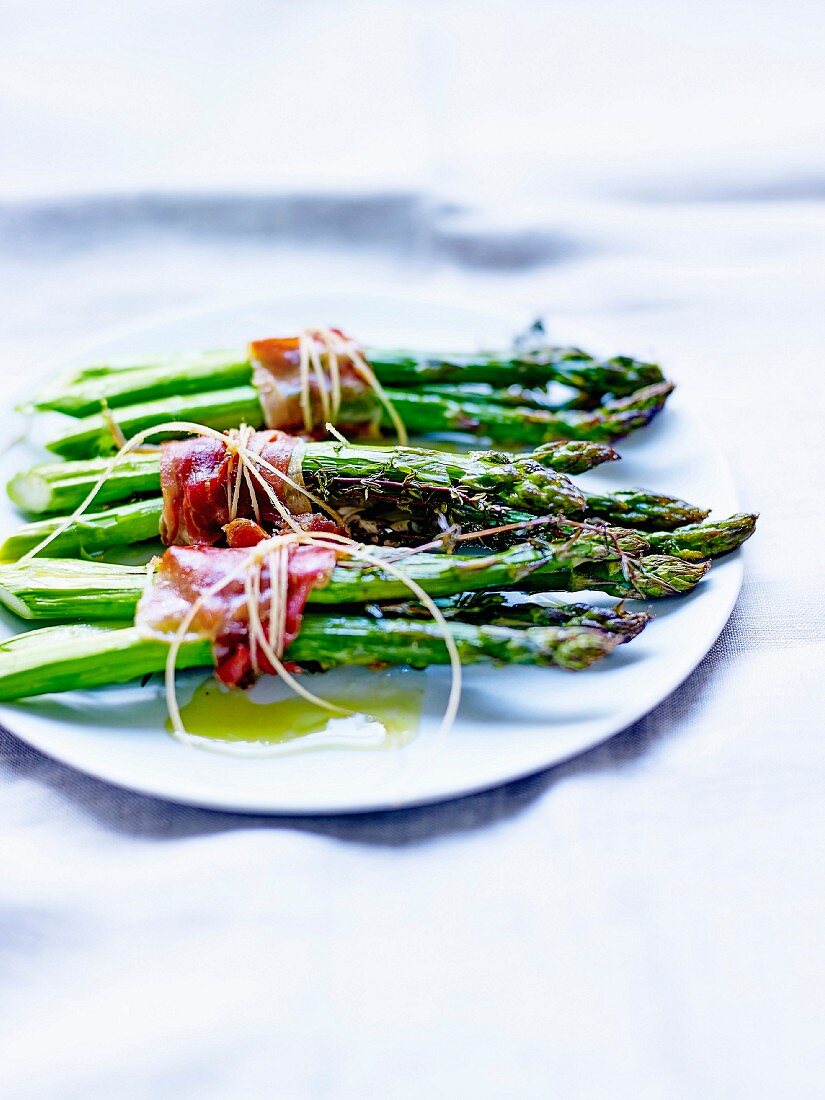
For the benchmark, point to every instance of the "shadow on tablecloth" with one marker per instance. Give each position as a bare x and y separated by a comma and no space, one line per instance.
142,817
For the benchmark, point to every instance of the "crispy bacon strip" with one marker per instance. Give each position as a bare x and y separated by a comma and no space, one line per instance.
184,574
204,491
296,402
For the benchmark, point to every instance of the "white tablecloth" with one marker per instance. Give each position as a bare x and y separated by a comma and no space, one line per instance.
644,921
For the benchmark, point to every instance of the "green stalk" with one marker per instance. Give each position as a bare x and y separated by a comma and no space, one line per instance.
536,366
654,577
65,658
710,539
87,390
221,409
573,456
70,588
646,511
90,389
92,533
126,524
405,512
428,414
60,487
512,608
516,396
423,414
76,657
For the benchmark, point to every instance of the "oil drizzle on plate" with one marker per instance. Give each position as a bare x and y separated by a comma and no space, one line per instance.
386,716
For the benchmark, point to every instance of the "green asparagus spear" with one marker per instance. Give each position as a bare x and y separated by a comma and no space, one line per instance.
513,608
93,435
89,389
423,414
79,656
92,533
427,414
95,533
65,658
572,456
712,538
522,397
127,524
75,589
643,510
60,487
383,518
71,589
654,577
620,375
52,589
86,391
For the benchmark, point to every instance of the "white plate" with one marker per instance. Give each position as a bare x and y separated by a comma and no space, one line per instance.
513,721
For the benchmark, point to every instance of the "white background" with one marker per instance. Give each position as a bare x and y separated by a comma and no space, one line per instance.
644,922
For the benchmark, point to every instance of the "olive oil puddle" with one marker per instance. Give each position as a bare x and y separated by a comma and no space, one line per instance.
386,714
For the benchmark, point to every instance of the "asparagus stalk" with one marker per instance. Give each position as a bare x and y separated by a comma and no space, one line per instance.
72,589
499,479
87,390
91,533
573,456
655,577
126,524
518,396
90,389
710,539
429,414
79,656
60,487
64,658
49,588
423,414
92,435
645,511
534,366
513,608
535,478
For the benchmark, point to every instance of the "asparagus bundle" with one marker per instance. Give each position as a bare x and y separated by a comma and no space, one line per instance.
479,490
69,589
521,480
517,481
79,656
93,591
422,413
114,385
